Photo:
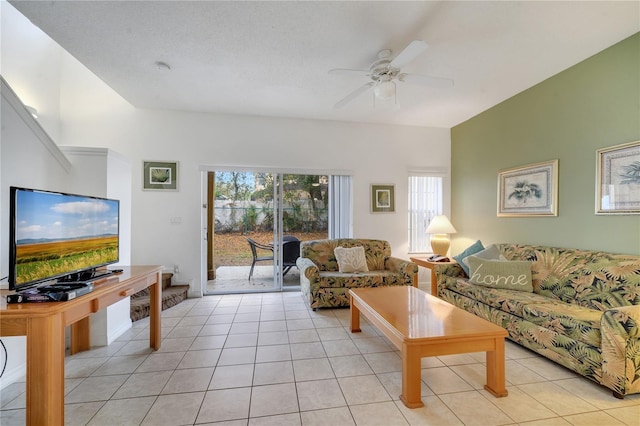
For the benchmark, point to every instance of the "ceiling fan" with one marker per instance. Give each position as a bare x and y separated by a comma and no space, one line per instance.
385,72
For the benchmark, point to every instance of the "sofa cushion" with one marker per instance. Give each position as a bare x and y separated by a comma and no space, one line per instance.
336,279
511,275
581,324
510,301
351,259
472,249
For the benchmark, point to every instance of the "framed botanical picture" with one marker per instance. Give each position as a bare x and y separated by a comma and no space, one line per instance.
160,176
383,198
618,179
530,190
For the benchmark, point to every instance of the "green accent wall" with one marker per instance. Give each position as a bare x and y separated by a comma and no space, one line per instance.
592,105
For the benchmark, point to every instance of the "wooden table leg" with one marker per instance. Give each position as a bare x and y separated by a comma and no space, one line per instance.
411,378
80,336
434,283
355,316
45,370
495,370
155,313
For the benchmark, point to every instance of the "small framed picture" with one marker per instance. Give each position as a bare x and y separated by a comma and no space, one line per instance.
618,179
382,198
160,176
530,190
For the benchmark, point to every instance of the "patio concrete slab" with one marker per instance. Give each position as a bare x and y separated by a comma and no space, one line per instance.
232,278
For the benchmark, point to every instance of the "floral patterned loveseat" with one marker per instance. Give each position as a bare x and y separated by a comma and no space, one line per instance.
325,287
583,313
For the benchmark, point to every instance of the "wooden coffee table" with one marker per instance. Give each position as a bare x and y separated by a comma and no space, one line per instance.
421,325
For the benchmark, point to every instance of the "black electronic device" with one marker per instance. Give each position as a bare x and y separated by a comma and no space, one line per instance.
438,258
57,238
51,293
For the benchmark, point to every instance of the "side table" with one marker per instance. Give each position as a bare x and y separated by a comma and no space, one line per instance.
425,262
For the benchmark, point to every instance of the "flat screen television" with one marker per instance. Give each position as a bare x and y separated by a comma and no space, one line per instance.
60,237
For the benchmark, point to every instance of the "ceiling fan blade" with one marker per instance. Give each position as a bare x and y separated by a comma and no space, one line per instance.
411,52
426,80
345,71
351,96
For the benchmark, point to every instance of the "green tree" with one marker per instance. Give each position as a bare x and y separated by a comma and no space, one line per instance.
295,187
250,218
234,185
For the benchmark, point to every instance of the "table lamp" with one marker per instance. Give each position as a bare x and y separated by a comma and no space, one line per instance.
439,228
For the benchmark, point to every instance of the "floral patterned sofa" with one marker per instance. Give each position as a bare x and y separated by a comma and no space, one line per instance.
325,287
583,313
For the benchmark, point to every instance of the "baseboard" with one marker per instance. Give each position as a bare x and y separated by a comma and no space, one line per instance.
114,334
13,375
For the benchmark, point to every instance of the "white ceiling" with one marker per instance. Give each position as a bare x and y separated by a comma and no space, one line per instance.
272,58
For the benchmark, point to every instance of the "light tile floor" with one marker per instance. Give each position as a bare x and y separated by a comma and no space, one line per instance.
263,359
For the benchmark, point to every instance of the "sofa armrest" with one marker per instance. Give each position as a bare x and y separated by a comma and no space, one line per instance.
623,320
409,270
308,269
452,270
446,272
620,343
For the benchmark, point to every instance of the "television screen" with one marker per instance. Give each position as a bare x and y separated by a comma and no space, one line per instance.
55,235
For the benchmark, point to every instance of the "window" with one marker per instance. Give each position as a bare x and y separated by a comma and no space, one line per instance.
340,207
425,202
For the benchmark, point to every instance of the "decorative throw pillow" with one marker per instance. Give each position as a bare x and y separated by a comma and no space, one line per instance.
472,249
512,275
351,259
489,253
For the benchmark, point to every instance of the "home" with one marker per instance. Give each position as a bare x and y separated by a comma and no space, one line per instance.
566,115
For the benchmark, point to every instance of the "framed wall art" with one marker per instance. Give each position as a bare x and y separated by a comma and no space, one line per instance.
530,190
618,179
383,198
160,176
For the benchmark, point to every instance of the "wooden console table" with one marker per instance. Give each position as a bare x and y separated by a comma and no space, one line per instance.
44,325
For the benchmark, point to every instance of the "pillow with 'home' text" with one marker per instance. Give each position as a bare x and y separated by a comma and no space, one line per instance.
510,274
351,259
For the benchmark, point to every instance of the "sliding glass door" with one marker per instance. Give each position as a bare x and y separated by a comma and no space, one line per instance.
255,224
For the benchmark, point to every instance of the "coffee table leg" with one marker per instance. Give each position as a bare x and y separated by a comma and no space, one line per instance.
495,370
411,377
355,316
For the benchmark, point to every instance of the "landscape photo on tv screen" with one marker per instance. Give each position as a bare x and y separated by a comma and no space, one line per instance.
58,234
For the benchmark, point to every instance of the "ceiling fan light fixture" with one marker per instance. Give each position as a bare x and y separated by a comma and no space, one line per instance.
385,90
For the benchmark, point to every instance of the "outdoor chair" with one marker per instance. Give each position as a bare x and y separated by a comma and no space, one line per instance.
290,254
254,251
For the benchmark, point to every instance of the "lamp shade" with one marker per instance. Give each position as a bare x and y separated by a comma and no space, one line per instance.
385,90
440,225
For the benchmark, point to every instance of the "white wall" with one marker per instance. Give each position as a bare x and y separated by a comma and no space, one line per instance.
30,62
93,115
102,172
27,161
374,154
30,158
